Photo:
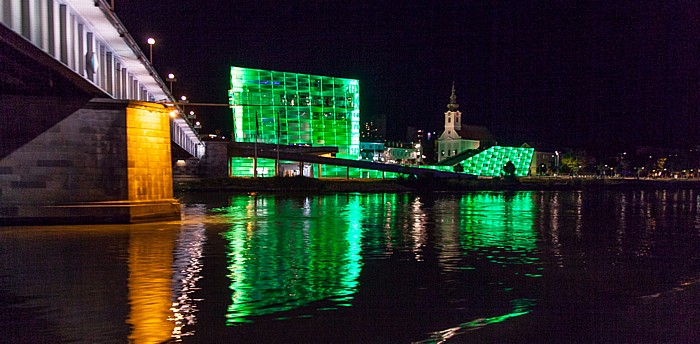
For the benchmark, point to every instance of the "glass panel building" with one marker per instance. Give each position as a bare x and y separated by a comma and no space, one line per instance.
292,108
490,162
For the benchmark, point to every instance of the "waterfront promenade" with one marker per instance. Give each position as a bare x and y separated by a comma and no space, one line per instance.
302,184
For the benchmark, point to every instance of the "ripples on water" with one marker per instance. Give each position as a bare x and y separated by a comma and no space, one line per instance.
361,268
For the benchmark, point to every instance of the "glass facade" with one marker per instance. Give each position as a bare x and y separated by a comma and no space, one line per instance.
296,109
490,162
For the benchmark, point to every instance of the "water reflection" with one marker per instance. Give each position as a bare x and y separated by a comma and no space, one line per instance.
150,277
187,271
50,290
279,261
351,268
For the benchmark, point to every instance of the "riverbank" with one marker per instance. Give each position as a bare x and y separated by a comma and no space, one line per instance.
302,184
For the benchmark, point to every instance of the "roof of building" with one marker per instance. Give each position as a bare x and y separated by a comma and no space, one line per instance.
475,132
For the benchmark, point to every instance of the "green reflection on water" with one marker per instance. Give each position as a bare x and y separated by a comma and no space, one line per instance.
501,222
281,256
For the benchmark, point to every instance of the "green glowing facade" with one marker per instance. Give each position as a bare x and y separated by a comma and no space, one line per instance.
294,109
490,162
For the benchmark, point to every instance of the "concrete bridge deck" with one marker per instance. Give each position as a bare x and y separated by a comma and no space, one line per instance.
312,155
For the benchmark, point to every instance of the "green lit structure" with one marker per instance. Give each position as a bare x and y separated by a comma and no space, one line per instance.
302,109
293,109
490,162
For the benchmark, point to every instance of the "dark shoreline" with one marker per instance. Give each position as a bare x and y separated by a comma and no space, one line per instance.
303,184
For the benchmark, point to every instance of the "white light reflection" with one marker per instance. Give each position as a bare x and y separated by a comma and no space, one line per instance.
188,266
418,232
555,216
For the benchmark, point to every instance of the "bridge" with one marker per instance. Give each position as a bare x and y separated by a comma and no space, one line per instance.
313,155
86,124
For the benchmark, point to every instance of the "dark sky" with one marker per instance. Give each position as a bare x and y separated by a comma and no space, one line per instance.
600,76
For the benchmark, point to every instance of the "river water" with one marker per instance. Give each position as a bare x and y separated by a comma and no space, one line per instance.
605,266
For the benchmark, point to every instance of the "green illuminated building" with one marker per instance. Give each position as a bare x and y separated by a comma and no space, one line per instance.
303,109
490,162
292,108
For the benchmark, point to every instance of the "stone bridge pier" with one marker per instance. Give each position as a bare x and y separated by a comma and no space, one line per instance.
96,161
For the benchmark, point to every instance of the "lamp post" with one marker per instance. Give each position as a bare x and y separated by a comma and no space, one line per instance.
255,148
183,100
277,161
171,78
151,42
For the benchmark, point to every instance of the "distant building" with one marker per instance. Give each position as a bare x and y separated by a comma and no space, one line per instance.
407,153
544,163
457,138
374,129
372,151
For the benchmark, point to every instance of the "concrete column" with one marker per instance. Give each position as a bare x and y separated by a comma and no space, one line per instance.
117,80
25,20
80,45
109,161
36,22
63,33
109,72
124,84
102,71
130,87
15,15
90,56
72,42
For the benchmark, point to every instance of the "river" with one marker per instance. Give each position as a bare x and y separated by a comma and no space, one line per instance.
555,266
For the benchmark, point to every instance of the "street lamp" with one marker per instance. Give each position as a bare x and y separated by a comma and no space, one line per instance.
183,100
171,78
151,42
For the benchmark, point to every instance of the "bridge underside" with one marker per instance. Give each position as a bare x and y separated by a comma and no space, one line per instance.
69,153
36,92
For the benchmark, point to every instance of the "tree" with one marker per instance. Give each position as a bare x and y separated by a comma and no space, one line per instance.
509,169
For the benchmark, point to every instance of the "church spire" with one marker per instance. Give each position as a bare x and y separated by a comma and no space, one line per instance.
453,106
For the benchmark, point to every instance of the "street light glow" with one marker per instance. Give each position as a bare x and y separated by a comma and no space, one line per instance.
151,42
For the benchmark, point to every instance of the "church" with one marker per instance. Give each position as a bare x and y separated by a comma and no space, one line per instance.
458,138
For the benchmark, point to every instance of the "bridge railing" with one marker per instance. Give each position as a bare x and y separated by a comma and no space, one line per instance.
87,37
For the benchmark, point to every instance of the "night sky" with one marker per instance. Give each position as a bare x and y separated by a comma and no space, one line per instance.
601,76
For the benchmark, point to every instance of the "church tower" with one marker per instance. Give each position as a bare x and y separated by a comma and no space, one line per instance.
452,142
453,119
